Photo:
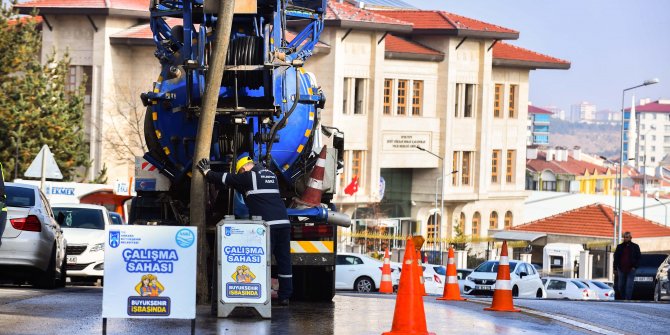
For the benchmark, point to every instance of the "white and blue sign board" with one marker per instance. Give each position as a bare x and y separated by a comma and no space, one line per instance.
150,272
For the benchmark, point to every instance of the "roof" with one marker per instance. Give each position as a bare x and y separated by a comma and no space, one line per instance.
570,166
346,15
537,110
658,106
440,22
595,220
517,235
139,8
384,3
400,48
505,54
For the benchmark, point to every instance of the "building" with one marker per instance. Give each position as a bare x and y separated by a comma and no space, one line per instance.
647,140
583,112
608,116
395,79
538,126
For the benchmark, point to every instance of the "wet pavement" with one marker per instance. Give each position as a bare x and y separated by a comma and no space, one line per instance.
76,310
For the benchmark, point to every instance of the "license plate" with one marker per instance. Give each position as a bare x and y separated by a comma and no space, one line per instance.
72,259
483,287
644,278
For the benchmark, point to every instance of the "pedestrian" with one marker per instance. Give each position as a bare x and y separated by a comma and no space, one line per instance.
576,266
3,203
626,258
260,189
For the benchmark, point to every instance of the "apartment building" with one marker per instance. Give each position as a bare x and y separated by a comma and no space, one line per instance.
647,140
539,120
394,79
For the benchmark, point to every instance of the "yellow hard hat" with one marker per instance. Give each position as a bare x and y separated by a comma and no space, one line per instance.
242,161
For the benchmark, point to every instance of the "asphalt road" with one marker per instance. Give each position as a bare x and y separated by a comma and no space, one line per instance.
77,309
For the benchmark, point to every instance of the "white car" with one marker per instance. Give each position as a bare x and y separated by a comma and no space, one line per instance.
434,278
33,246
84,227
524,279
360,273
603,291
567,288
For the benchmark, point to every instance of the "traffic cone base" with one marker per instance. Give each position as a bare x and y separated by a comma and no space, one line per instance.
502,296
386,285
451,289
409,317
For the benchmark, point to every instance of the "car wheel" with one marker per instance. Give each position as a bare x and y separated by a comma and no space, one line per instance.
48,280
539,293
364,285
515,291
63,272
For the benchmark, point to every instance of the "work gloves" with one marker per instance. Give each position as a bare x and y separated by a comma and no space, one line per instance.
203,166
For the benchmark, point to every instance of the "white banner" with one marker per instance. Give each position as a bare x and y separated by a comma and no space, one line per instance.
150,272
244,267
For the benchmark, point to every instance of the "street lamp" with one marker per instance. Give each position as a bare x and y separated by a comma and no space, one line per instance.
666,210
442,176
623,95
644,176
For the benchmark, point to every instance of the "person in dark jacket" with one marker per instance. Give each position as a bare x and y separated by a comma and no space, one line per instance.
626,259
3,205
260,189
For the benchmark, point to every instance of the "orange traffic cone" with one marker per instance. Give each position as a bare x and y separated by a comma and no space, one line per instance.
502,296
312,195
409,317
419,267
386,285
451,289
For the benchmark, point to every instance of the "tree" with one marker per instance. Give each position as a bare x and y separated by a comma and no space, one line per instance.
37,107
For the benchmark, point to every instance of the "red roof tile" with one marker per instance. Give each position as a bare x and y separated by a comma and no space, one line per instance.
399,44
505,51
571,166
113,4
537,110
431,20
660,106
596,220
345,11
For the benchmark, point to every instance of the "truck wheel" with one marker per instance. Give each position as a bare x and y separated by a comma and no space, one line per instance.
364,285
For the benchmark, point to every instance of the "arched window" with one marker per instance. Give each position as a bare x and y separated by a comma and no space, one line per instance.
493,221
431,233
508,220
476,224
461,223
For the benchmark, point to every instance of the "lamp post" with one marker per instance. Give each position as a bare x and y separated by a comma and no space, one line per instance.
620,212
666,210
644,176
442,176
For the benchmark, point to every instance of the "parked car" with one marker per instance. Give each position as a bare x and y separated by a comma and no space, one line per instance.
524,279
462,274
360,273
643,288
434,278
116,218
567,288
661,282
604,291
33,245
84,227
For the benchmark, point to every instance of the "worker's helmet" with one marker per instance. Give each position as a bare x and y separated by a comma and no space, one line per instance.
242,160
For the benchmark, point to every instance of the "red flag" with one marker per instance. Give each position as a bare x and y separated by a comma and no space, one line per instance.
352,187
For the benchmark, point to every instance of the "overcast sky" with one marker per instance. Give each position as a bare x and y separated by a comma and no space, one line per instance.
612,45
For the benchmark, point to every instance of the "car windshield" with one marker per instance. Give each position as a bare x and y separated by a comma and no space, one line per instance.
20,196
116,219
653,260
600,285
492,266
86,218
578,284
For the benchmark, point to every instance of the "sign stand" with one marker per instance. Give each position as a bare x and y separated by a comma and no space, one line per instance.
243,266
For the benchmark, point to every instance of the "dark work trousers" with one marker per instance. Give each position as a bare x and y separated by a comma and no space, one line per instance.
280,243
3,222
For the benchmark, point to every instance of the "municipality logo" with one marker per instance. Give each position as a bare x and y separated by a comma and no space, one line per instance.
185,238
114,238
228,231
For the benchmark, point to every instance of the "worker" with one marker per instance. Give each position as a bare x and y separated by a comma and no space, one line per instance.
260,189
3,203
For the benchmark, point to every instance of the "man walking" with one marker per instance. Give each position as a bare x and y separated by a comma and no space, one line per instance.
626,258
260,189
3,206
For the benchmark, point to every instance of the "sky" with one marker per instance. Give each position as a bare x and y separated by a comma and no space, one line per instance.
611,44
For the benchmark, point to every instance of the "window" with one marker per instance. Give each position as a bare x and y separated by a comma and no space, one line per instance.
454,167
388,96
512,101
417,97
359,96
497,101
465,168
461,224
457,98
666,139
556,285
508,220
476,223
469,100
667,128
510,166
357,164
402,97
493,220
548,186
346,109
495,166
431,234
79,75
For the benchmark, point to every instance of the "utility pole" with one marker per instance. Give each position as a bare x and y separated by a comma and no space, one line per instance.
203,141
